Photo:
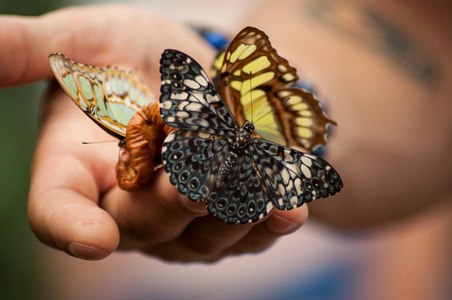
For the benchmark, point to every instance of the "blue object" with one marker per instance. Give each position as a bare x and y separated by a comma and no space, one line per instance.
216,39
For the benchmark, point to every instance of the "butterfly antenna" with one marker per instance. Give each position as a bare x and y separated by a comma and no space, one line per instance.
101,142
251,97
272,109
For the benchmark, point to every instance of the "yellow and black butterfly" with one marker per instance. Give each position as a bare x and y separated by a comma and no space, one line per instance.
110,96
299,121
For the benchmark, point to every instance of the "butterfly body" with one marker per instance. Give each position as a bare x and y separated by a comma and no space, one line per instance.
211,158
238,146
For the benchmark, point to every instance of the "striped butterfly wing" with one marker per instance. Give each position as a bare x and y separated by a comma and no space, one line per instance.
210,158
300,121
110,97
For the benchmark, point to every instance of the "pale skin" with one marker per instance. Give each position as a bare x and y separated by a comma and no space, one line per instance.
76,206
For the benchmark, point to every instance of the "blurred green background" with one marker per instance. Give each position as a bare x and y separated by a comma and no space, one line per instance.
18,115
19,119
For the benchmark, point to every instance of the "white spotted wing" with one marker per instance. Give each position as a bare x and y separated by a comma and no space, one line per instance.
211,158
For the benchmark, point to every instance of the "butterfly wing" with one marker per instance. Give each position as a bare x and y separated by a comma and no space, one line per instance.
243,196
193,160
300,121
125,94
264,176
293,178
109,97
188,99
268,175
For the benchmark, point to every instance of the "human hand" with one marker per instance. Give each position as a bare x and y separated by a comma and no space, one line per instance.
75,204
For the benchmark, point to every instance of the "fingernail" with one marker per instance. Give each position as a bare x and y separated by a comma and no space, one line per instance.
87,252
277,224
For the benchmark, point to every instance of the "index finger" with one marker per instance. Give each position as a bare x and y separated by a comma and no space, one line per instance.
28,41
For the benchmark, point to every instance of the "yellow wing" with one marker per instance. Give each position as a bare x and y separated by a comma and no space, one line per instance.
298,121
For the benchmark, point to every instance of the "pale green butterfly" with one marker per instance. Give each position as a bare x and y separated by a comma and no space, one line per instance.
108,96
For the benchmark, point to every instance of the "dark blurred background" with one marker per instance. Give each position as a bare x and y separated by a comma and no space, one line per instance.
19,108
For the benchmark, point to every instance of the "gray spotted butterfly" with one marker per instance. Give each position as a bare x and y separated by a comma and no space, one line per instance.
211,158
